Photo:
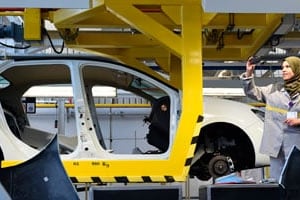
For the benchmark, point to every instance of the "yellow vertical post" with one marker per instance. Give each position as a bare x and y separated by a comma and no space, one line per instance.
192,101
32,24
192,82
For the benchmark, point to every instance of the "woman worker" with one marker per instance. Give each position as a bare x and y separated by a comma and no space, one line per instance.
282,122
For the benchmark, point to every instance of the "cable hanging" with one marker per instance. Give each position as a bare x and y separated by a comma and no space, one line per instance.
51,43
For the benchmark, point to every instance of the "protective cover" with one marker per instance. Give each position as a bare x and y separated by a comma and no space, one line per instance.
42,177
290,175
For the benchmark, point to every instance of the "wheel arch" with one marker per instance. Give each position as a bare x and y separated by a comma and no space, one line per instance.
232,133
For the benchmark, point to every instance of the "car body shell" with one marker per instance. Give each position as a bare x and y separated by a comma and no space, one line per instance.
26,72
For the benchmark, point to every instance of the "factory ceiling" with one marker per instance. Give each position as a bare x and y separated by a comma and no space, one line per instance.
131,29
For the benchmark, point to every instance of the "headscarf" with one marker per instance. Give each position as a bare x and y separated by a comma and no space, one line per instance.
292,85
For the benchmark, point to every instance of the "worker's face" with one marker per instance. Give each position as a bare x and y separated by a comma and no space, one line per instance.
287,72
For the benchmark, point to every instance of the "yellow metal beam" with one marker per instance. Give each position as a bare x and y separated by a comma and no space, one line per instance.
12,13
32,24
87,39
72,18
152,52
158,20
163,63
98,105
175,71
173,12
142,22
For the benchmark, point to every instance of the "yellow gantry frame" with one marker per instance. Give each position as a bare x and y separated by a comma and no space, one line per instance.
125,15
186,56
178,54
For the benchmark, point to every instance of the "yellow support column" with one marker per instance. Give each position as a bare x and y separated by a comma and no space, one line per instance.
32,24
192,100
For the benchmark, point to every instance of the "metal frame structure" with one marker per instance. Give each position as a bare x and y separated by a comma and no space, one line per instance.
169,32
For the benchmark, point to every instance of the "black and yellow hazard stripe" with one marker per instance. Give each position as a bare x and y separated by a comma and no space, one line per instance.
193,143
124,179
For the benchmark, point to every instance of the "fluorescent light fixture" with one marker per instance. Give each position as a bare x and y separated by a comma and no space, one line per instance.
67,91
104,91
223,92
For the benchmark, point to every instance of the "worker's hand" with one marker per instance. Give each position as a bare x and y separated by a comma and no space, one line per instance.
292,121
249,67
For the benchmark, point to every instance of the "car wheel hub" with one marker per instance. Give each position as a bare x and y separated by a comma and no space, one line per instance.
218,166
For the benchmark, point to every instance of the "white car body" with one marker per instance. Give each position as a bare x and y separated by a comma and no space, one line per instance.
230,130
